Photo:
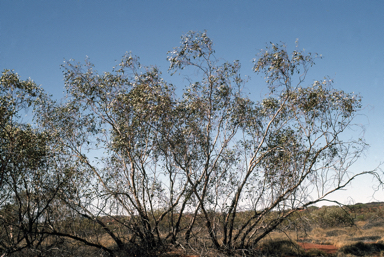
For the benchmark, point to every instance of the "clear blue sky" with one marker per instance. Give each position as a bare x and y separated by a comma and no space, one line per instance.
36,37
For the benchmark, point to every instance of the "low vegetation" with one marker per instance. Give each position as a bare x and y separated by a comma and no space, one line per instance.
336,226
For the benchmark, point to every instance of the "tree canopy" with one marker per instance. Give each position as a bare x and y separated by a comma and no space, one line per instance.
122,155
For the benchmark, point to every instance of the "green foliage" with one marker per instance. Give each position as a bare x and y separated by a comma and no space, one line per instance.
20,144
333,216
210,161
24,176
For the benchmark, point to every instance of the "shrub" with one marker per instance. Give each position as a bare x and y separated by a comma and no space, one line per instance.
281,248
333,217
362,249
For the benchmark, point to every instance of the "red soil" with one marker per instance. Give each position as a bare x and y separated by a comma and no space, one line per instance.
324,248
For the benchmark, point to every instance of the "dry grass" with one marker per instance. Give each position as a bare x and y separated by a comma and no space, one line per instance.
360,237
339,237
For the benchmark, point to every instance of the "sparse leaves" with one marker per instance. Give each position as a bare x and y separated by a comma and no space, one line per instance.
124,144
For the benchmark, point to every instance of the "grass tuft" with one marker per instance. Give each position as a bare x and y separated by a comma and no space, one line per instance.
362,249
281,248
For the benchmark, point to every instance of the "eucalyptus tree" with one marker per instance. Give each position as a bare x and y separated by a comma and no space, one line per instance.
110,131
27,185
277,155
144,165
